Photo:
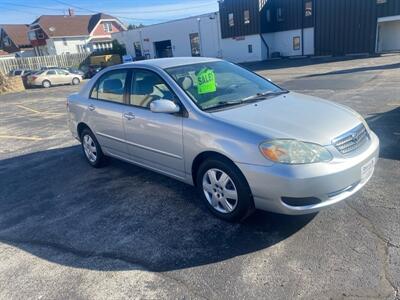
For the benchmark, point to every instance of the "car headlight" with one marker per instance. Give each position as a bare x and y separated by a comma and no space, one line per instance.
294,152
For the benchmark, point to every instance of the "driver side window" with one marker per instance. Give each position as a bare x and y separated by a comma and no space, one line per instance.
146,87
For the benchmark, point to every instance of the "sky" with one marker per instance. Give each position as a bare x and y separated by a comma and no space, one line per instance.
128,11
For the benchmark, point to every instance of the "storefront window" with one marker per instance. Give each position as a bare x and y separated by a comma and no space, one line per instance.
308,9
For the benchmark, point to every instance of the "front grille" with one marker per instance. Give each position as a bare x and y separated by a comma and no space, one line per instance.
351,140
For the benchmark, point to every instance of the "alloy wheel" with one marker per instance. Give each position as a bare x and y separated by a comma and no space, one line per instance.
90,148
220,191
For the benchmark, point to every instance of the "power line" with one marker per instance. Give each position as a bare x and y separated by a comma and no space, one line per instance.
18,10
128,18
83,9
74,6
96,12
31,6
165,10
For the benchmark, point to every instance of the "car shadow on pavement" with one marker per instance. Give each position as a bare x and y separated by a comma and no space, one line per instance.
55,200
387,127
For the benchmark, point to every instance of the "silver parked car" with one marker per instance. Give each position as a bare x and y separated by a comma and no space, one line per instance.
48,78
243,141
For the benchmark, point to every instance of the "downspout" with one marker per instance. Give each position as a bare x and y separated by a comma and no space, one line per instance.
200,36
219,51
302,28
265,44
260,23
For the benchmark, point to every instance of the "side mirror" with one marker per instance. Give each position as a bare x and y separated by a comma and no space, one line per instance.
164,106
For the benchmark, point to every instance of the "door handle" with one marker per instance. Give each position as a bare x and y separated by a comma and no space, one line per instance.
129,116
91,107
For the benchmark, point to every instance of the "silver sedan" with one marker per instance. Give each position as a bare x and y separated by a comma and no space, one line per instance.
244,142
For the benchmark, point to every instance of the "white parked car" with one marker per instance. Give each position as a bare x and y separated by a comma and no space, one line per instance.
48,78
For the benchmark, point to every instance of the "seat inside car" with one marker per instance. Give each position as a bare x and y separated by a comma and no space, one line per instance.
146,90
113,89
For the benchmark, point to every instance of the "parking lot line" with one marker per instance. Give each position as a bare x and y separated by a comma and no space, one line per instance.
36,111
26,138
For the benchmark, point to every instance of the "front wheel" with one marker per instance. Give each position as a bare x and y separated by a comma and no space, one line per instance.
91,149
46,84
75,81
225,190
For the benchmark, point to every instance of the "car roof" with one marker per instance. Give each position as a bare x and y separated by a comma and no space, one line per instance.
170,62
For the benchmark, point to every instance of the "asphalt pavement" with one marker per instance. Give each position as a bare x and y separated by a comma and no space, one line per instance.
70,231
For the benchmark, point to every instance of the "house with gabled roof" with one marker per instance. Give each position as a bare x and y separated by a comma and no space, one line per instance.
69,34
14,39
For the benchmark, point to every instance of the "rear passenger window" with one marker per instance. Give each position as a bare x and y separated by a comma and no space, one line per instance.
110,87
51,72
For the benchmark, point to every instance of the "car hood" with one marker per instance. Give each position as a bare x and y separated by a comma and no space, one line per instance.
293,116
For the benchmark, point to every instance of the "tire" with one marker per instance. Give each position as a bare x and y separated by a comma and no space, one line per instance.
76,81
91,149
46,84
218,195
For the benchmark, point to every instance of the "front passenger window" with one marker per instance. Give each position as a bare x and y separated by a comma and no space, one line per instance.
147,87
111,86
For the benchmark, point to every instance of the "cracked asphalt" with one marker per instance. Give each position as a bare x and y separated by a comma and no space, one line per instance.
70,231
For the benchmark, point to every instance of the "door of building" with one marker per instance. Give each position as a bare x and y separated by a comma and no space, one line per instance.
163,48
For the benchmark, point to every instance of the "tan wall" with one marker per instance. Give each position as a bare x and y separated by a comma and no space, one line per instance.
11,84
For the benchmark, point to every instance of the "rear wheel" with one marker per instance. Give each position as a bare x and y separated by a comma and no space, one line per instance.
75,81
91,149
224,190
46,84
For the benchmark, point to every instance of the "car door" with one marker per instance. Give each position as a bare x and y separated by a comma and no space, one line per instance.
105,109
63,77
153,139
52,76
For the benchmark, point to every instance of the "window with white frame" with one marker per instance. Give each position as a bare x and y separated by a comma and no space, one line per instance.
296,43
246,15
107,26
279,14
40,35
6,41
32,35
231,20
308,9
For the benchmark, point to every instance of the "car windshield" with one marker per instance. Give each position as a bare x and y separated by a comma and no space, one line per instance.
213,85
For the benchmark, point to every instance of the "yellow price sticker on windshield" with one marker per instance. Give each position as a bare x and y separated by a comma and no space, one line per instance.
206,81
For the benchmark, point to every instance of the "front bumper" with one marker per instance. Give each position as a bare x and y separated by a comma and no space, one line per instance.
329,182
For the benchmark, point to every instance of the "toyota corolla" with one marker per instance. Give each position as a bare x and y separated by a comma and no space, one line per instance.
243,141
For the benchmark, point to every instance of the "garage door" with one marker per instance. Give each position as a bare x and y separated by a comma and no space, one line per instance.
389,36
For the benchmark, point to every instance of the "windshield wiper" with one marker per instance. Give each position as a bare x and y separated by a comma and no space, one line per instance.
222,104
256,97
264,95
